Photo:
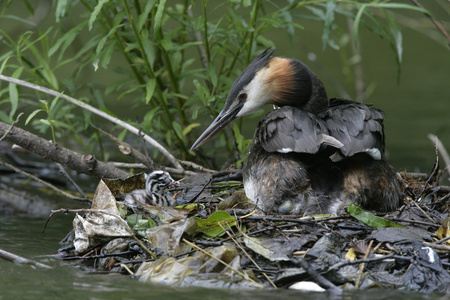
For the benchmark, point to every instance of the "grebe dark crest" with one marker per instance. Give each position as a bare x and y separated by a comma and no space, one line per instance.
312,154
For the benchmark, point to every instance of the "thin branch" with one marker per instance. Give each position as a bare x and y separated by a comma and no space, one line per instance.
11,127
433,20
441,149
126,149
322,281
87,164
362,266
359,261
218,259
196,166
71,181
237,243
49,185
96,111
21,260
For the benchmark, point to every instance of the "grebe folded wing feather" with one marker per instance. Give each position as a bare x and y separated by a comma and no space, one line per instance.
358,127
289,129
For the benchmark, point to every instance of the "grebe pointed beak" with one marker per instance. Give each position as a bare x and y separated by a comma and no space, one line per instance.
223,119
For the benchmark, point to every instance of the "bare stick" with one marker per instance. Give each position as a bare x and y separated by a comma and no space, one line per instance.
126,149
433,20
87,164
51,186
11,127
441,150
363,265
218,259
96,111
322,281
236,242
71,181
21,260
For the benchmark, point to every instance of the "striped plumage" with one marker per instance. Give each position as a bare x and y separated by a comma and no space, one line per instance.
155,192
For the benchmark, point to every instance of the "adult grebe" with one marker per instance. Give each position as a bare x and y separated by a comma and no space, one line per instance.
312,154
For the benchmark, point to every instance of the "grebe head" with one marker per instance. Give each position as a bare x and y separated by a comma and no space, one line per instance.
269,80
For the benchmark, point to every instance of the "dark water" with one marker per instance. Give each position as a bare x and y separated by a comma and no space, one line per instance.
23,236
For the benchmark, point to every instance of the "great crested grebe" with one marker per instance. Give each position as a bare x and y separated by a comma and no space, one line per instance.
312,154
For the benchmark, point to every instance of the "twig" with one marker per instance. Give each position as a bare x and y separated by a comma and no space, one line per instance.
127,269
218,259
153,255
273,219
363,265
78,210
178,171
413,222
198,37
87,164
441,150
49,185
126,149
359,261
438,247
195,166
96,111
438,26
21,260
237,243
71,181
322,281
11,127
442,240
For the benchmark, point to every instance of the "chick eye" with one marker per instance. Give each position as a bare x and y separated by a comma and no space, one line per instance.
242,96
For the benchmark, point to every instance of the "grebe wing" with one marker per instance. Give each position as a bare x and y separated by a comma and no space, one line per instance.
289,129
357,126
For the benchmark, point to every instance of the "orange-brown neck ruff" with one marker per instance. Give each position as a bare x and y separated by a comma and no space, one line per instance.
280,80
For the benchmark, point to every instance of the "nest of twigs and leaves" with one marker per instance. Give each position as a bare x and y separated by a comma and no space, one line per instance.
217,239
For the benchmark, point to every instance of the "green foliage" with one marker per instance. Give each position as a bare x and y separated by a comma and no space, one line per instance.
175,60
215,224
140,225
370,219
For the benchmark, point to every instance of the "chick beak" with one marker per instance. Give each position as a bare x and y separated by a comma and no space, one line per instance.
223,119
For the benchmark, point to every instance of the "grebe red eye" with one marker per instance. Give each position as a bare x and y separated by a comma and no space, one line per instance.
242,97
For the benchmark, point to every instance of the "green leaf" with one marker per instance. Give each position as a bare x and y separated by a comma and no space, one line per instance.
148,47
46,122
328,23
212,74
14,93
55,100
158,18
140,225
403,6
61,8
357,21
32,115
95,12
143,17
149,89
397,35
215,223
188,128
66,39
369,218
177,127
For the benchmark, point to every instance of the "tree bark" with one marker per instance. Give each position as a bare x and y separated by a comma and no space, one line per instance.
86,164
